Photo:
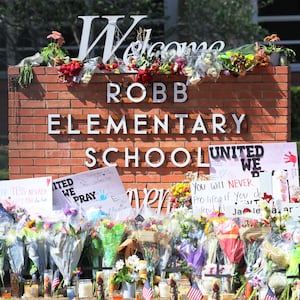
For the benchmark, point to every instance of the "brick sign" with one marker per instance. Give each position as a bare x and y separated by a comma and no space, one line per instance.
154,134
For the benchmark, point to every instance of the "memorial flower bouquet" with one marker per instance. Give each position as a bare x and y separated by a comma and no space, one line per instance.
187,233
239,61
2,258
111,235
272,47
151,255
205,63
66,246
34,234
152,237
15,251
180,193
69,70
53,52
230,241
127,271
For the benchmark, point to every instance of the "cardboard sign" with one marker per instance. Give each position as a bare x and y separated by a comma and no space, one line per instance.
32,194
218,195
96,189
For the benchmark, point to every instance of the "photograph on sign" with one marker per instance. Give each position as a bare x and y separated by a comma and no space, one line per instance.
32,194
100,189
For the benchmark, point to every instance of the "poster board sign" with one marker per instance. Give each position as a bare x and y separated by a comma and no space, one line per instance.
243,210
32,194
253,160
214,195
96,189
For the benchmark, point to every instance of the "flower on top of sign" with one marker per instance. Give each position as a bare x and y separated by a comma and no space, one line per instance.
194,61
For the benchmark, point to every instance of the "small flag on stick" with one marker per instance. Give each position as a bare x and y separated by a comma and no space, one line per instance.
270,295
56,281
194,293
147,291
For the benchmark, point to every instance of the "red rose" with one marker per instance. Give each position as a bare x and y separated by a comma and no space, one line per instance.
144,76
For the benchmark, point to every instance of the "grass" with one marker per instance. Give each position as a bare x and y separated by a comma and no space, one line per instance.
3,162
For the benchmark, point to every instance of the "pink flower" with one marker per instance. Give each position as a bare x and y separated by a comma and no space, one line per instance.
57,36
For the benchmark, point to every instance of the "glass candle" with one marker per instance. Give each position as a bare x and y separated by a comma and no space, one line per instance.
117,295
5,292
164,289
70,292
48,278
15,285
31,289
85,288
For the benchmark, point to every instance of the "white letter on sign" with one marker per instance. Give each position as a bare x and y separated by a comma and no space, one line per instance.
180,89
52,122
159,88
112,95
110,29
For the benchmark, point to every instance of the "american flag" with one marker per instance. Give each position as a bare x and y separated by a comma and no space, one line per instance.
147,291
270,295
55,282
194,292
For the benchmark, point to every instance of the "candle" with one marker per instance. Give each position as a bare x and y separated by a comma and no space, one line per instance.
117,296
70,292
48,277
31,289
164,289
85,288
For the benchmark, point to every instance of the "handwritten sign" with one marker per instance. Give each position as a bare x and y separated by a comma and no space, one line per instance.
250,160
212,195
243,210
32,194
99,188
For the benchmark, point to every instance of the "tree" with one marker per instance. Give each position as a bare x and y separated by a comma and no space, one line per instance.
227,20
25,24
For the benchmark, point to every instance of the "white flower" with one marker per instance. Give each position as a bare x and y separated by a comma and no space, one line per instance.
133,261
120,264
212,72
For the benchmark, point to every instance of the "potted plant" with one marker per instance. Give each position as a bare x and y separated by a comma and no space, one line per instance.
279,55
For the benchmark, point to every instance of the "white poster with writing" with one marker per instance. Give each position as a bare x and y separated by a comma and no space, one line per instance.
217,195
279,160
32,194
100,188
235,198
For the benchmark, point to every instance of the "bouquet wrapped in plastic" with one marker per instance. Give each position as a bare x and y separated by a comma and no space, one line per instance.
230,242
34,237
66,246
111,235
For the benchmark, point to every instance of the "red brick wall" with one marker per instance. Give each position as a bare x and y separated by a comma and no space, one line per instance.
263,95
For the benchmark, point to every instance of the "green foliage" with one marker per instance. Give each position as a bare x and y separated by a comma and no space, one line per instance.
52,51
295,112
31,21
230,21
25,76
3,162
